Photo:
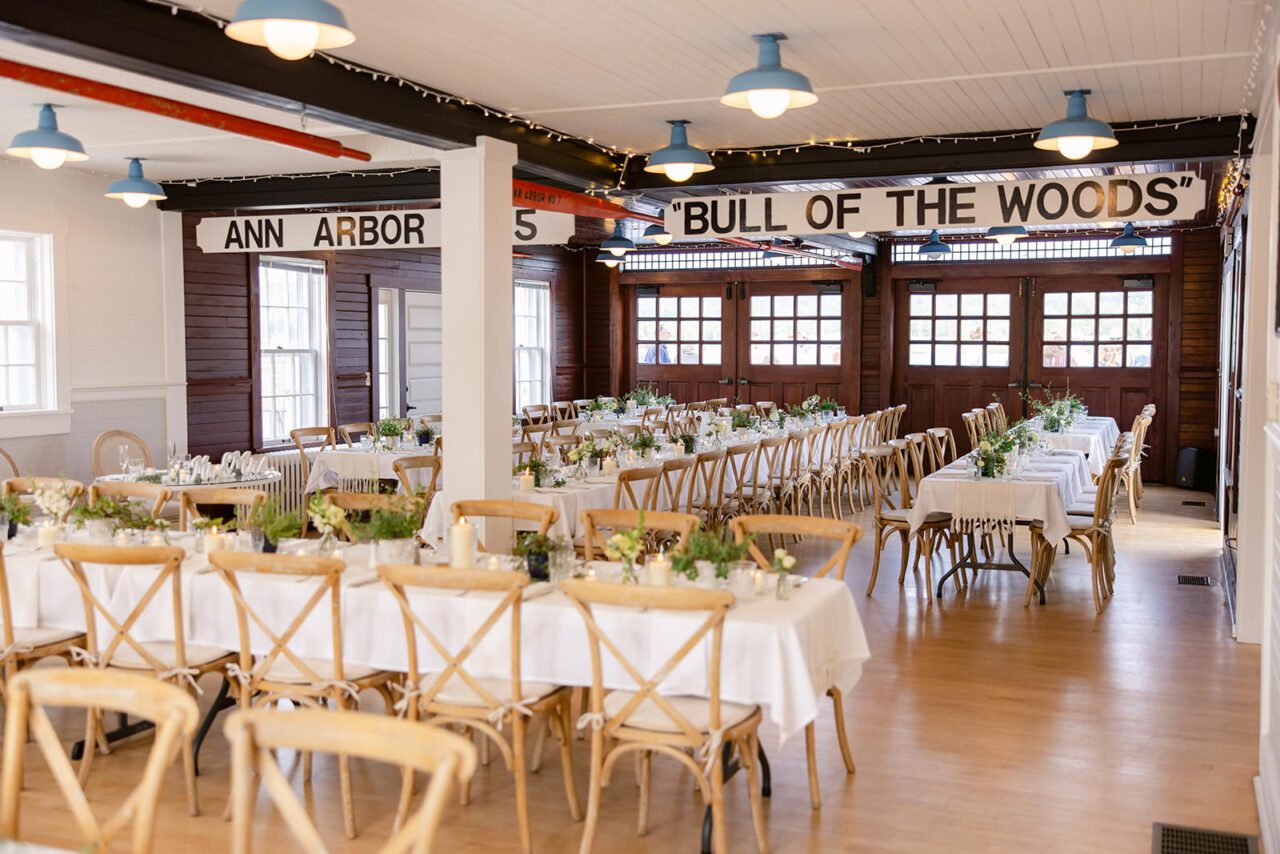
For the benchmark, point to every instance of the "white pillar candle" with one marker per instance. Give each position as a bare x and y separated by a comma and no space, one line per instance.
460,536
591,573
47,535
659,567
494,564
156,539
609,465
526,481
760,580
122,537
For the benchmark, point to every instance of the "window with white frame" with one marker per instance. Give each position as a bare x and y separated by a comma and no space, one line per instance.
388,354
532,337
27,376
291,297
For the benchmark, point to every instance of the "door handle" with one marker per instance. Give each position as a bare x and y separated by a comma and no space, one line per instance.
743,380
1035,385
1015,385
409,406
726,381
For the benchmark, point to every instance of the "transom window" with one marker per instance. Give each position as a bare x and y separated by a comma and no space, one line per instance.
678,330
795,329
1097,329
965,330
26,316
292,333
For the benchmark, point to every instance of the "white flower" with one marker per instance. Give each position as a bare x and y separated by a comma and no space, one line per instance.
783,561
984,446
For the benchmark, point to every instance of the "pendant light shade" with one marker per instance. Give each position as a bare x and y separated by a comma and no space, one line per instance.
1130,241
617,244
47,146
291,29
608,260
658,234
135,190
935,248
769,90
1006,234
679,160
1077,135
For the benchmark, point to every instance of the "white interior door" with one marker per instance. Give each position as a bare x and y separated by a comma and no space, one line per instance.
422,352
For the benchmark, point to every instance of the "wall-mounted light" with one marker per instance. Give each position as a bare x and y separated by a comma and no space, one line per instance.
291,29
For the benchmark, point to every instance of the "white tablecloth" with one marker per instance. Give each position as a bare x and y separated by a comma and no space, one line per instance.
176,488
1094,435
1043,490
356,466
781,655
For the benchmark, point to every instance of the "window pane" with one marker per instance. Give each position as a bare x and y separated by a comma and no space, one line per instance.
759,354
944,330
689,354
829,354
13,260
689,330
784,330
784,306
997,330
971,355
646,330
1110,356
1055,356
711,306
21,345
784,354
13,301
998,305
710,354
970,304
1055,329
668,306
1110,328
1111,302
830,305
806,354
667,330
944,354
997,355
806,330
1140,302
761,330
945,304
807,306
22,386
919,354
921,330
1083,302
1138,355
1055,303
689,306
647,354
1082,328
710,330
829,330
1139,329
921,305
761,307
646,307
971,330
1082,355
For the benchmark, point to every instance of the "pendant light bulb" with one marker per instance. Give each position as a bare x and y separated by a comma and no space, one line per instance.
1006,239
1075,147
678,172
291,39
678,160
617,251
48,158
1078,134
857,234
46,146
135,200
290,29
768,103
769,89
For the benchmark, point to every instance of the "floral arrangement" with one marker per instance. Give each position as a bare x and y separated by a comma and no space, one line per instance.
589,449
1023,436
425,434
642,441
990,453
783,562
326,516
535,467
742,419
400,521
276,524
715,546
207,522
157,477
55,501
597,405
389,428
17,511
827,405
688,441
625,546
641,396
123,513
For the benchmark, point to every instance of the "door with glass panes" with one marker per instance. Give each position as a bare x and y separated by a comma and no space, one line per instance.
790,341
678,341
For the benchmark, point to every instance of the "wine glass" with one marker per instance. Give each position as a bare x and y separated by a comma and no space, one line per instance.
124,457
171,452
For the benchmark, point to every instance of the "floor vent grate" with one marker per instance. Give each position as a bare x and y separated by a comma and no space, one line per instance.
1172,839
1195,580
1193,504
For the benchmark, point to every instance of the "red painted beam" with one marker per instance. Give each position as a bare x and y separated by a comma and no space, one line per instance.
179,110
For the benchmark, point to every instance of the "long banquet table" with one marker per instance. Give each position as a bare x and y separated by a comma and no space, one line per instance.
783,655
1094,435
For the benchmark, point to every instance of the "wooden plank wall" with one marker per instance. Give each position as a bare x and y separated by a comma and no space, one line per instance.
1198,374
221,354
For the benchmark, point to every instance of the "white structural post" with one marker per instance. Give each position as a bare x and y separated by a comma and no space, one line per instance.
475,198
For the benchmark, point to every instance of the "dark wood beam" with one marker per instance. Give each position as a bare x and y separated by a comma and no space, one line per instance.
189,50
1204,140
352,189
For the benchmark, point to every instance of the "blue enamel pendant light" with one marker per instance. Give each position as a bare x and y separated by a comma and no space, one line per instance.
135,190
46,146
291,29
658,234
608,260
679,160
1078,134
935,248
1130,241
769,90
1005,234
617,244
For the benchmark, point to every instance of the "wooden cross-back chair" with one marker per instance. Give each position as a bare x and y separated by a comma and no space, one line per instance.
564,427
136,493
29,485
562,443
320,438
537,413
735,487
201,502
24,646
769,473
1131,474
517,511
351,433
255,736
844,535
176,661
663,529
537,434
104,456
717,402
523,453
699,733
824,448
10,462
972,429
766,408
996,417
284,674
624,492
895,422
412,471
172,710
881,465
942,446
447,693
701,494
563,410
365,503
674,482
849,462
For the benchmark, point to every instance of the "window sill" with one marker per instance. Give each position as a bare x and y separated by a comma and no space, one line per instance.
39,422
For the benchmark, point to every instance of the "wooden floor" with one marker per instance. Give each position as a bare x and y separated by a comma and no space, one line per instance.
978,725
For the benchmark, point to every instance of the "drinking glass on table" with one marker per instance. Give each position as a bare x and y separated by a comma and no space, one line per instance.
123,452
251,539
134,466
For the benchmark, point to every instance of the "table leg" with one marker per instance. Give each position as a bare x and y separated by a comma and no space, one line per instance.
968,562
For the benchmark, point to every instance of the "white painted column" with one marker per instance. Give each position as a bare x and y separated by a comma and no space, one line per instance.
476,289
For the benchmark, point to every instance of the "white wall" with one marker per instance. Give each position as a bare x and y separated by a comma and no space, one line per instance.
118,294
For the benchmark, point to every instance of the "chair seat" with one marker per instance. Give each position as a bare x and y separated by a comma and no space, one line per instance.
456,692
44,636
1080,508
935,517
284,670
197,654
695,709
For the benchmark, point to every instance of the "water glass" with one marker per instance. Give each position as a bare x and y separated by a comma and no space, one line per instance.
135,466
250,539
560,562
742,581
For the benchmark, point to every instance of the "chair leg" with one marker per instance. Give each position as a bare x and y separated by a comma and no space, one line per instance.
562,728
837,700
539,742
747,757
815,797
875,561
518,727
189,773
719,834
594,793
646,764
906,554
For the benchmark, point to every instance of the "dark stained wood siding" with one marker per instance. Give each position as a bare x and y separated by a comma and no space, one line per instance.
596,305
1198,375
220,338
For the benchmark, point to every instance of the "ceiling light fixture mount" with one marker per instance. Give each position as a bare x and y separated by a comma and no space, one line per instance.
769,89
